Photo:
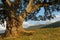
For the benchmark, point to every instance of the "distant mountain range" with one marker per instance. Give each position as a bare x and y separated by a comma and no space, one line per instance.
48,25
53,25
35,26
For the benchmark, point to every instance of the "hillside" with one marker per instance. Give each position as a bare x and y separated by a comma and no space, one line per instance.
53,25
40,34
49,32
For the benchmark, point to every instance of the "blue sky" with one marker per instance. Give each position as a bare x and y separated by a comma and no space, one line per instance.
41,12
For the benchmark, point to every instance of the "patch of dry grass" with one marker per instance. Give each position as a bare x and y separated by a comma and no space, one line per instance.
41,34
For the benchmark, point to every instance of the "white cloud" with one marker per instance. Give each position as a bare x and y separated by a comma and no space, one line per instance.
58,15
25,24
54,20
3,27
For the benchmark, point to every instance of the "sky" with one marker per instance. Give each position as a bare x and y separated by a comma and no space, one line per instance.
41,12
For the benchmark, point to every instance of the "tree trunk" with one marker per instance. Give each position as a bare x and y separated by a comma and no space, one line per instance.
14,26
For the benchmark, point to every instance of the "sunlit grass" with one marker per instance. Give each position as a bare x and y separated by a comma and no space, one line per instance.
41,34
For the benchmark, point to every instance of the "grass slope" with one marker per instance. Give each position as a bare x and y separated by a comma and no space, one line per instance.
41,34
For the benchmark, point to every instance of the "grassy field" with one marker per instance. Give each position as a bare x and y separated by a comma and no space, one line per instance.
41,34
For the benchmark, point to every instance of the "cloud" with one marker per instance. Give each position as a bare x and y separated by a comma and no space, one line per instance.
58,15
25,24
3,26
30,23
54,20
57,18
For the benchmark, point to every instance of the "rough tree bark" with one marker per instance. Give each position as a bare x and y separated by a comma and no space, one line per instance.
14,24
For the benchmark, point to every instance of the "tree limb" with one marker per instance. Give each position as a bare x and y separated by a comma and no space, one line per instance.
16,5
8,2
31,8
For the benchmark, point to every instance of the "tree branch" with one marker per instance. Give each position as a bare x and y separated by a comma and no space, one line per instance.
16,4
31,8
8,2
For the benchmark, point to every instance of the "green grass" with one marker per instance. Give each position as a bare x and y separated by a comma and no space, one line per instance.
41,34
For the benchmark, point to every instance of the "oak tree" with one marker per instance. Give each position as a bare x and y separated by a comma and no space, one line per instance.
19,10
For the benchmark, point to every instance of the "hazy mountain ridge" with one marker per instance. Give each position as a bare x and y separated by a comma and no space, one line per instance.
35,26
53,25
49,25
